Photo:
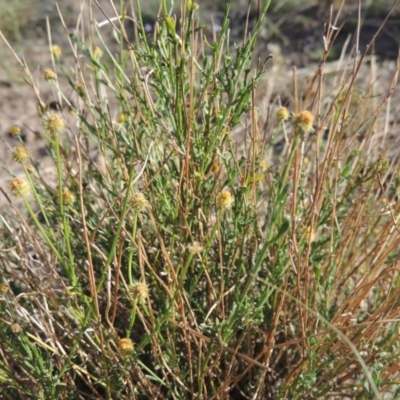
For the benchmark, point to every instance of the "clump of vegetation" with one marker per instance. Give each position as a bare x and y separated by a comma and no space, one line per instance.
190,260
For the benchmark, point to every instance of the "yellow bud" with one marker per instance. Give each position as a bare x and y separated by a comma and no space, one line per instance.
170,22
15,130
97,53
282,114
49,74
56,50
192,6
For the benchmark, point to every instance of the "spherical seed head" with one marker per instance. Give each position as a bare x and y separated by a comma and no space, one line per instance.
68,197
195,248
224,200
304,121
15,130
56,50
20,154
138,202
138,292
53,123
282,114
20,188
15,328
49,74
125,346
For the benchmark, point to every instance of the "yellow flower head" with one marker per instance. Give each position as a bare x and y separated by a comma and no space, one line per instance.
138,291
138,202
122,118
224,200
215,168
15,130
125,346
68,197
198,175
304,121
56,50
20,188
4,288
20,154
282,114
49,74
97,53
53,123
195,248
15,328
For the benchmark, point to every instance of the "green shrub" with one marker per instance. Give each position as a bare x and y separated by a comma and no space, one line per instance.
189,260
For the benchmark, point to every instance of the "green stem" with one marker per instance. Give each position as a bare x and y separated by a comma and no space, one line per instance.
132,250
65,221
